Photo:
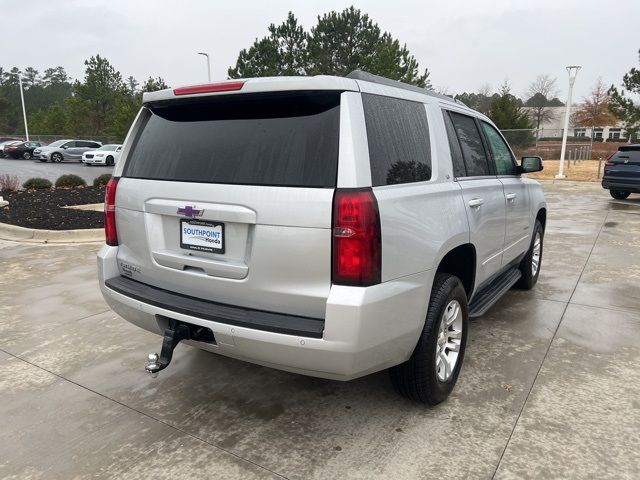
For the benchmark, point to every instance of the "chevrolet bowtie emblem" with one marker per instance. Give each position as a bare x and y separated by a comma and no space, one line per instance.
190,211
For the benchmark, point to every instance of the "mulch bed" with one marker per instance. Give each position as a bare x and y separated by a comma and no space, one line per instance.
43,209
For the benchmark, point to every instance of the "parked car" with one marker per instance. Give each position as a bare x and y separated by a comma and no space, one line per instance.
622,172
327,226
21,149
105,155
6,143
64,150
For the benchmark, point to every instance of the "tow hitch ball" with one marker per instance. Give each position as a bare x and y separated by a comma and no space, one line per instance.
174,334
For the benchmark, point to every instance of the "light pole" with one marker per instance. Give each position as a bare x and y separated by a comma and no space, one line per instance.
572,70
24,111
208,65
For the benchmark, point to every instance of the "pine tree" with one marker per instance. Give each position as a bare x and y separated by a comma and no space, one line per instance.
622,104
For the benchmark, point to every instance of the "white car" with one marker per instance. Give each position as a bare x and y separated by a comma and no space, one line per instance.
105,155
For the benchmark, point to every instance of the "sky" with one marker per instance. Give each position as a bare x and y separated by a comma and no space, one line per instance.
464,44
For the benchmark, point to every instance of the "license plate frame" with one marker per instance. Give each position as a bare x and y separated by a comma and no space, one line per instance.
202,241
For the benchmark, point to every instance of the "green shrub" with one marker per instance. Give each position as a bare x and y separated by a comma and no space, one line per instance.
70,180
102,180
37,183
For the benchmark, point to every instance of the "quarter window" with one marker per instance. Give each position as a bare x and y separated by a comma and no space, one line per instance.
459,169
502,157
398,137
473,153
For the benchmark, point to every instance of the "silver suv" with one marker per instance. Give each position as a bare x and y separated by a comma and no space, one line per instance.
326,226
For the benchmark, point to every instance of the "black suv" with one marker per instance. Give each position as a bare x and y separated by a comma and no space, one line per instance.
622,172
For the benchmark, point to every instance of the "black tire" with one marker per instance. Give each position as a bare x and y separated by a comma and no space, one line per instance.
417,378
619,194
26,155
109,161
56,157
529,278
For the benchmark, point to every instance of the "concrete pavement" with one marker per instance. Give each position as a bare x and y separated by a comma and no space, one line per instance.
26,169
550,387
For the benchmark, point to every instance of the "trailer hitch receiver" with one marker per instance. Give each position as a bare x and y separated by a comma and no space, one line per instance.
174,334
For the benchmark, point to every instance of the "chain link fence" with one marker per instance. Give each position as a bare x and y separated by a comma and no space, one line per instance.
547,143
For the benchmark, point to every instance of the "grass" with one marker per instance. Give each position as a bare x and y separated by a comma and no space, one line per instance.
584,171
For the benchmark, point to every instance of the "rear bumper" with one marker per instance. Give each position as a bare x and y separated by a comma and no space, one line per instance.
364,329
622,185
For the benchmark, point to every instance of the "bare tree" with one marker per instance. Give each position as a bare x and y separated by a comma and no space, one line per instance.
539,95
485,89
594,110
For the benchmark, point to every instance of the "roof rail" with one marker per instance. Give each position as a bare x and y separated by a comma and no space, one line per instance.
370,77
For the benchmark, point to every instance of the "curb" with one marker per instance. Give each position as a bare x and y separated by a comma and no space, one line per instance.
34,235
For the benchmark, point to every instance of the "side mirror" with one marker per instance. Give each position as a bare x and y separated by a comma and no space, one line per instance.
531,164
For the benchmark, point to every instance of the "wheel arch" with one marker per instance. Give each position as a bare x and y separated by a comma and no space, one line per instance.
541,216
461,262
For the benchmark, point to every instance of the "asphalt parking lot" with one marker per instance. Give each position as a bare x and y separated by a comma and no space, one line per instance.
26,169
550,387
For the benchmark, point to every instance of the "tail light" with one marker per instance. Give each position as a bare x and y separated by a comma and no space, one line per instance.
610,161
110,232
209,88
356,238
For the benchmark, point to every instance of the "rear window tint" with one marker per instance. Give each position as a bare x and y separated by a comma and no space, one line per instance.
459,169
630,155
398,137
260,139
475,157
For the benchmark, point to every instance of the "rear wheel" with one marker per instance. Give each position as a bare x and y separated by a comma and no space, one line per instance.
26,155
619,194
432,371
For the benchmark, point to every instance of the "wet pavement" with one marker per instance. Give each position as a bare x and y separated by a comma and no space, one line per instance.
550,386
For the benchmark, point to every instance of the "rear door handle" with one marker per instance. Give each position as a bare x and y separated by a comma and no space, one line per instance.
511,196
476,202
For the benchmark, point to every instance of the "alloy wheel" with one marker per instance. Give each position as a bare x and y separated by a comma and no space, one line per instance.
448,341
537,252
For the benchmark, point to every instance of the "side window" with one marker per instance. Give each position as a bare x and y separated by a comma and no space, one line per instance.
475,157
70,144
454,145
502,157
398,137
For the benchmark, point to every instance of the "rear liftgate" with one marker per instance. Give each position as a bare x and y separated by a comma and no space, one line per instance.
174,334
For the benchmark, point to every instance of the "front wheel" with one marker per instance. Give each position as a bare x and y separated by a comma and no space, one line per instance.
110,161
56,157
432,371
619,194
532,261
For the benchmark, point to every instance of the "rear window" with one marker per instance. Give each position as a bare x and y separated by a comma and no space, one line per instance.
260,139
398,138
628,154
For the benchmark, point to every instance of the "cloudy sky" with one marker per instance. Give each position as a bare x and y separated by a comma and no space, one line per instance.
465,44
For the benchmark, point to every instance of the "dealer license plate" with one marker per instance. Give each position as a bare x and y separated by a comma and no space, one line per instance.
202,236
